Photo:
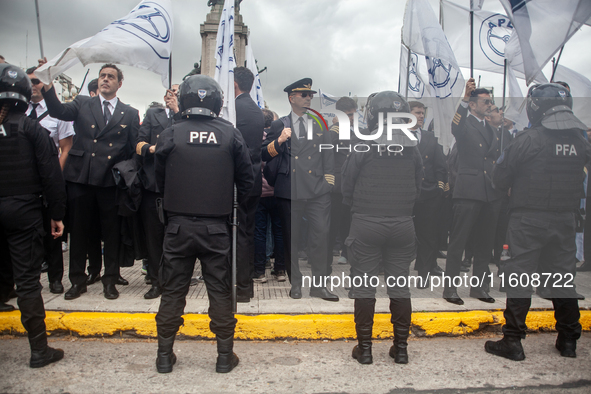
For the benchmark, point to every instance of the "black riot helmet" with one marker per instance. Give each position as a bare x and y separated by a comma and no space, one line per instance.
15,87
387,101
550,105
200,95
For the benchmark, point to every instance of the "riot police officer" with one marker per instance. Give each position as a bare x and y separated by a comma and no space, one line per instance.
544,168
381,186
197,162
29,166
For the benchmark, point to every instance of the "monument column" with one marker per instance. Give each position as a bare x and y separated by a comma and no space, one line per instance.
209,30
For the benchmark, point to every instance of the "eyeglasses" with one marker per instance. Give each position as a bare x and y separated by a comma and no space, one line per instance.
304,95
487,102
35,81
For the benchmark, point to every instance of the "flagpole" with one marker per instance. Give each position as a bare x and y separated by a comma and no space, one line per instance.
555,64
503,106
170,71
39,28
471,42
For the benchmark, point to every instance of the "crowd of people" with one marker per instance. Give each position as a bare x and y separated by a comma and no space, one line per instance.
164,190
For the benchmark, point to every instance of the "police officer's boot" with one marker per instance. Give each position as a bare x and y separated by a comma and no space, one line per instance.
227,359
398,351
41,354
166,357
508,347
566,347
364,312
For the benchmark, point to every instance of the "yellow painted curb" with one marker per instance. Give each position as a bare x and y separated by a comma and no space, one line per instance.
267,327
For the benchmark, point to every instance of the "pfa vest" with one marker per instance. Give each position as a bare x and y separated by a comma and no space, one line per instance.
553,179
18,164
199,175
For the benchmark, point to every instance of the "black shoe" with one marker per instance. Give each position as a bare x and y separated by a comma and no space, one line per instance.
121,281
295,292
322,292
453,297
44,267
41,354
56,287
194,282
110,292
437,270
302,255
165,357
586,266
148,281
423,283
508,347
227,360
399,351
465,267
154,292
481,294
441,255
580,297
75,292
566,348
92,278
242,298
6,307
351,294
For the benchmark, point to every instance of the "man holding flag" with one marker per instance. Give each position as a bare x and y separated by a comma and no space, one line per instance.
106,134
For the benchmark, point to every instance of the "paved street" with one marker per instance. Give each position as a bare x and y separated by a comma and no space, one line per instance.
444,365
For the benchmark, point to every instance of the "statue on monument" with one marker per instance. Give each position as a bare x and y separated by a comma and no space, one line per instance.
195,71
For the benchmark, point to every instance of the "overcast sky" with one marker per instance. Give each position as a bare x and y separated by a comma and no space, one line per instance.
343,45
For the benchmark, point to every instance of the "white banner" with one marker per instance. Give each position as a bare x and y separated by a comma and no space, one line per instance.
422,34
543,27
580,89
141,39
225,62
256,92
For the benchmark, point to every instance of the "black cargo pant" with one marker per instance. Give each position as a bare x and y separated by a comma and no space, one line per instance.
21,223
426,225
245,246
185,240
547,239
389,240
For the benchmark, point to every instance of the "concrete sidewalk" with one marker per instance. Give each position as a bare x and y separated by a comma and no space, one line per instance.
273,314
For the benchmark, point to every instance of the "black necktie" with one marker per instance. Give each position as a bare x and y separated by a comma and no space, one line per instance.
106,112
33,114
416,134
302,130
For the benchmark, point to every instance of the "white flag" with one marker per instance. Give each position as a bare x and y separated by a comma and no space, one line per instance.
515,106
423,36
580,89
141,39
256,92
328,106
543,26
476,5
225,62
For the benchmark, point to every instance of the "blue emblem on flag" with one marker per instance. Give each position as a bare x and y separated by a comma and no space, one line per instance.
495,32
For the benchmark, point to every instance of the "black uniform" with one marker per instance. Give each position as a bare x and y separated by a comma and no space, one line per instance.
155,122
29,167
88,173
476,204
304,181
427,207
381,189
545,171
197,163
251,123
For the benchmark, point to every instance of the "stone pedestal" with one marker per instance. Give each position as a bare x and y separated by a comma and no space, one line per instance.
209,31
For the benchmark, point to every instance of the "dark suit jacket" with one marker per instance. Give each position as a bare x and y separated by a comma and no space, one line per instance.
476,157
97,147
251,123
154,123
303,166
434,166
